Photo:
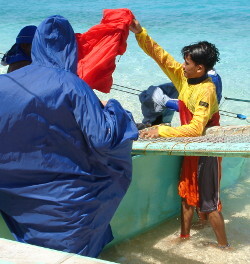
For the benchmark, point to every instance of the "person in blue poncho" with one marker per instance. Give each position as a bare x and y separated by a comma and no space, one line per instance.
65,159
20,53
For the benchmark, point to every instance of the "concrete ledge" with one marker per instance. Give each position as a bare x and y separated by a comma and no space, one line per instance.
12,252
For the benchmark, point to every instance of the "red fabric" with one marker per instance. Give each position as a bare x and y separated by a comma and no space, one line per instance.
214,121
186,116
99,46
188,185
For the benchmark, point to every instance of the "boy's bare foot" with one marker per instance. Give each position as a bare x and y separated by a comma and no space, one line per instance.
179,240
216,245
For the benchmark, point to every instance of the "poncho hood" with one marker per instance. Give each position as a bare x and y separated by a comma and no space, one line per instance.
54,44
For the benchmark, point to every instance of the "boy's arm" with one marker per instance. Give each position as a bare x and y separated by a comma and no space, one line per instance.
167,63
204,110
205,107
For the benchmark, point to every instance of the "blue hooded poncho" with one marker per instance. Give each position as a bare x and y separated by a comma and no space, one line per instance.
65,160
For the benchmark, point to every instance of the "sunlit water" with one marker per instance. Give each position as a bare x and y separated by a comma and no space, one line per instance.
159,246
173,24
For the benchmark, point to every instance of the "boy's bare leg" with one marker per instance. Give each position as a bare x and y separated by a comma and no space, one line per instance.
187,212
201,216
217,222
202,219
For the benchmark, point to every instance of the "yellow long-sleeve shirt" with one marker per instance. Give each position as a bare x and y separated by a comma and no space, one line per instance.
199,98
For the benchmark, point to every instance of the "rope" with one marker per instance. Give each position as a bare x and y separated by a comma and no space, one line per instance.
239,116
229,116
234,99
119,58
127,87
123,91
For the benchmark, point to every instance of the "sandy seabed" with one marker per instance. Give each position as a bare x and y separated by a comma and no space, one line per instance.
159,245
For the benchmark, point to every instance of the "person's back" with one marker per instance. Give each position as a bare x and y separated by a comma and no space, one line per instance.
62,153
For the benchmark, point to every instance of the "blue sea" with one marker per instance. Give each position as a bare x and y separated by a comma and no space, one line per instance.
173,24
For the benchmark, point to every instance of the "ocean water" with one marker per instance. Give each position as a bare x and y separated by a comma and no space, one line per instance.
173,24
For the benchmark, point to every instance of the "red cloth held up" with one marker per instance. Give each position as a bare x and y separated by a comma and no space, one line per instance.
99,46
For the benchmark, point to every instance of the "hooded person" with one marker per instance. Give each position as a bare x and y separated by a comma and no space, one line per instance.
20,53
65,159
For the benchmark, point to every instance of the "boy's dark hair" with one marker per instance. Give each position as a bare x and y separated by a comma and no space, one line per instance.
202,52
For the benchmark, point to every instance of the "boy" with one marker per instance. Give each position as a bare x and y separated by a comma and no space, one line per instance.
198,108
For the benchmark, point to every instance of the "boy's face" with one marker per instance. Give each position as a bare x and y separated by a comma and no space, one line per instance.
26,48
192,70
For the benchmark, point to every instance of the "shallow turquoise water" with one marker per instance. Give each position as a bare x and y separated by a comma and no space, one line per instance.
173,24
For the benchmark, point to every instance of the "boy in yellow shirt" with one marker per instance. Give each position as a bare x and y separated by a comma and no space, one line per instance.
198,108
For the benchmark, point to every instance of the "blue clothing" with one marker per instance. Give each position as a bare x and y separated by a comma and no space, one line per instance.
173,104
26,34
65,160
152,110
15,54
216,79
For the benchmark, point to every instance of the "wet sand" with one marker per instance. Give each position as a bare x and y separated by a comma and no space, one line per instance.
159,244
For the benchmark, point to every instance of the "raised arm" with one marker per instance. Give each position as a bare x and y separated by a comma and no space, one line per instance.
167,63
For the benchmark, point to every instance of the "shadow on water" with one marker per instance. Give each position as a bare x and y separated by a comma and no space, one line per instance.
157,245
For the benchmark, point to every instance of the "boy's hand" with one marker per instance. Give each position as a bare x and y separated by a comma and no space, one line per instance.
149,133
135,27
